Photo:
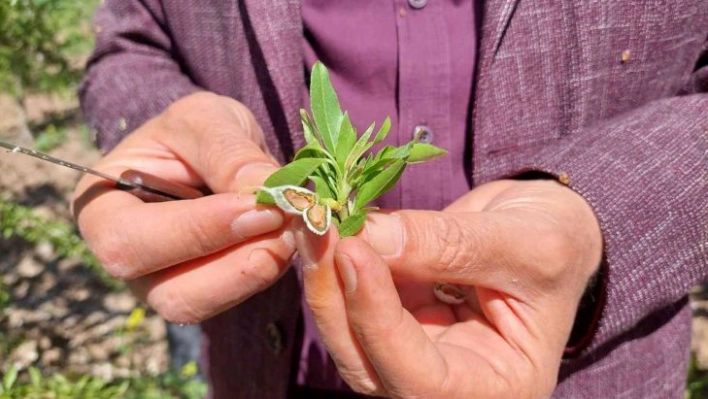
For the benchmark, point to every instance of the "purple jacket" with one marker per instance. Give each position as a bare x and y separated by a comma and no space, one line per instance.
612,96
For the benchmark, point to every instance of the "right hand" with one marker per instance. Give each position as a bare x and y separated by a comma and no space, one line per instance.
189,259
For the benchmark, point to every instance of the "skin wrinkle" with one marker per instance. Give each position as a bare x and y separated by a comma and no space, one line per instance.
222,142
392,386
259,258
521,346
115,250
505,375
166,302
502,370
447,232
195,232
502,380
253,274
225,173
449,243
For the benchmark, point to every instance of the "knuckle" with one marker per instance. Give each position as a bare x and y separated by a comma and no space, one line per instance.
113,253
188,106
195,233
319,302
173,307
246,119
191,109
555,253
451,242
378,329
192,103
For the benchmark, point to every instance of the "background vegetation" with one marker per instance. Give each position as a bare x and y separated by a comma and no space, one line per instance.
52,289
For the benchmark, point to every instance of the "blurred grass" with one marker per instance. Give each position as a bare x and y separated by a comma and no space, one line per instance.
44,44
31,384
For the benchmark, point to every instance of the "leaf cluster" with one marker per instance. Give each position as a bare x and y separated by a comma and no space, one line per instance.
32,384
346,174
41,43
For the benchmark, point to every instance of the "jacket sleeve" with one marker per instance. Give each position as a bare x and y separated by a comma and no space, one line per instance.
134,72
645,173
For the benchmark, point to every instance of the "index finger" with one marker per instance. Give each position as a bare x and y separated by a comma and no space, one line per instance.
200,140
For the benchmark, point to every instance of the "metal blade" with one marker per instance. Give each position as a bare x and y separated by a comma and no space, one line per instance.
44,157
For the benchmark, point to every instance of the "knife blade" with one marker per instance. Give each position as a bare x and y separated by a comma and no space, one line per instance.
145,186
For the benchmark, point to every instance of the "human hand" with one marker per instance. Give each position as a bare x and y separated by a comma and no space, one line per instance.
524,250
189,259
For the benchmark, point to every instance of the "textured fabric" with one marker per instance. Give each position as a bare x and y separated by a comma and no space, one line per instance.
610,94
414,65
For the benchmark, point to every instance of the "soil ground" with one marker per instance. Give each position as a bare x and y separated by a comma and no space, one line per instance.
61,316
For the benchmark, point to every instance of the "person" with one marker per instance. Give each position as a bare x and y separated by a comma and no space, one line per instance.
571,205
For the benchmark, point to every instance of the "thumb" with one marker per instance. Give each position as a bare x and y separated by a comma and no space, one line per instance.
471,248
388,334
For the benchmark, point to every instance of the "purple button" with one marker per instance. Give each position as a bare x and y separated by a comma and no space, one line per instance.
417,3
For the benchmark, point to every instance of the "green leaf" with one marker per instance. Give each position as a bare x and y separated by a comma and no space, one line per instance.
321,187
325,107
294,173
373,168
421,152
383,131
361,146
190,369
347,140
312,150
352,225
35,376
402,152
10,378
82,383
379,184
311,134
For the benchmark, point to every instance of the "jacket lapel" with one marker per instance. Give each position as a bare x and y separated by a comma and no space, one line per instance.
277,25
496,16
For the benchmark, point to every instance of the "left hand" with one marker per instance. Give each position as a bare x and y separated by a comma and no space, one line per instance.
524,250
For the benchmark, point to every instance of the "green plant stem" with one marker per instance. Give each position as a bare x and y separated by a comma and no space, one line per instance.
343,213
343,198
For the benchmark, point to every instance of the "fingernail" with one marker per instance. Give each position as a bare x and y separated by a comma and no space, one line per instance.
288,238
253,175
384,233
256,222
305,249
346,271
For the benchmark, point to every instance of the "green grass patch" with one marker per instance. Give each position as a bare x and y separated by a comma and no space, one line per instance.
31,384
22,221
